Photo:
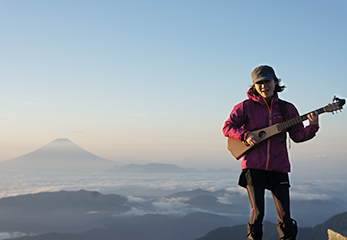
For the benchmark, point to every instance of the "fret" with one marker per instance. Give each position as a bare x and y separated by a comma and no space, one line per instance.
294,121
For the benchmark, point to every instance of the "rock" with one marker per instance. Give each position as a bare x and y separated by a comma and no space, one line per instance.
335,236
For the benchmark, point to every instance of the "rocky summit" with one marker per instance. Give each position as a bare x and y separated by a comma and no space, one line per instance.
335,236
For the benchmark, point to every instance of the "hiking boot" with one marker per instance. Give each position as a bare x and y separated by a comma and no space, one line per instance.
255,232
287,230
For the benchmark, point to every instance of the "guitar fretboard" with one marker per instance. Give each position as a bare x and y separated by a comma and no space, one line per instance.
294,121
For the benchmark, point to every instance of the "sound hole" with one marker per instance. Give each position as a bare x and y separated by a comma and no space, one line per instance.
262,134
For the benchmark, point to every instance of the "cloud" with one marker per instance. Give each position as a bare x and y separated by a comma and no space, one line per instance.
8,235
133,212
138,187
165,113
140,114
136,199
309,196
164,206
170,207
34,103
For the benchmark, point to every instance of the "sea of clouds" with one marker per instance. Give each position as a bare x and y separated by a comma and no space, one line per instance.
150,193
8,235
137,185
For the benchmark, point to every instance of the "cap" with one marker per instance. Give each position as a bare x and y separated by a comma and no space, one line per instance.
263,73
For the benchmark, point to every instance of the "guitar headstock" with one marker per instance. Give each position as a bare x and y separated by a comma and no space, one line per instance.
336,105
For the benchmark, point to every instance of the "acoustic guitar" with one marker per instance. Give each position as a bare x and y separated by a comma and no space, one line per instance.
239,148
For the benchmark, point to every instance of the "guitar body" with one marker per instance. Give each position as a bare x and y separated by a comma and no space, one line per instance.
239,148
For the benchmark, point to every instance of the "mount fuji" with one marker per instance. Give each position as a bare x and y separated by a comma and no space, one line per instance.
61,155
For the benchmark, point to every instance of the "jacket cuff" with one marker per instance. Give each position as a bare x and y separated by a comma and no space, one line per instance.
244,136
314,127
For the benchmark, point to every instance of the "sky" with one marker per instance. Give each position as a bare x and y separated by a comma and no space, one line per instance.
154,81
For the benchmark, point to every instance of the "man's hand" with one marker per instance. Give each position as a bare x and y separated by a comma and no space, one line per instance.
313,117
252,139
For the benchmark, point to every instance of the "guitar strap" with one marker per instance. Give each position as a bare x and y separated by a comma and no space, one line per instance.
284,113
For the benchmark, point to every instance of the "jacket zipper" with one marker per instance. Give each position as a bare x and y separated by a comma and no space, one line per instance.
268,142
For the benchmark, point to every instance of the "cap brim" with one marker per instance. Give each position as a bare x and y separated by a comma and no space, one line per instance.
267,78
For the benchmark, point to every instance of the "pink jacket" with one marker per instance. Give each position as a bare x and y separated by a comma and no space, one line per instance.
253,114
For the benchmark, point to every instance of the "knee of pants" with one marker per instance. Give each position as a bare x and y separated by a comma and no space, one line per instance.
259,215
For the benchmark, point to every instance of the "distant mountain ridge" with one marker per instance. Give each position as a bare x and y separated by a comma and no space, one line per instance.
98,215
161,168
338,223
71,200
61,155
153,168
93,214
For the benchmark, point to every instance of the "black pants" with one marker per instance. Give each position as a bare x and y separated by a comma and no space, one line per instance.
287,228
256,181
257,196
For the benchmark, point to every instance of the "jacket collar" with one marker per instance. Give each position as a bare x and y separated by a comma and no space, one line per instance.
260,99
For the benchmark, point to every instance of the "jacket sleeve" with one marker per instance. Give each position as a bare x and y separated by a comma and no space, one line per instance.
234,126
299,133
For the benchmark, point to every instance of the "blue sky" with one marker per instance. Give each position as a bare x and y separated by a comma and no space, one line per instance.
154,81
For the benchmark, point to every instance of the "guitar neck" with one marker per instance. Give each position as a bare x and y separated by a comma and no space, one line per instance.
294,121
